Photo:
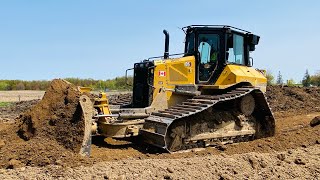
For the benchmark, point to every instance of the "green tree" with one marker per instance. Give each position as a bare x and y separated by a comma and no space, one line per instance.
270,78
279,79
119,83
290,82
20,86
315,79
3,85
306,81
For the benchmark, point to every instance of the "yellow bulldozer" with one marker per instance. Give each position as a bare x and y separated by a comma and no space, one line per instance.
208,95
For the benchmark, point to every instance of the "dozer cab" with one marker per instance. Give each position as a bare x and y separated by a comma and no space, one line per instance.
208,95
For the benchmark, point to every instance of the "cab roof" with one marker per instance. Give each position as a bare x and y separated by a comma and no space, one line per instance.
188,28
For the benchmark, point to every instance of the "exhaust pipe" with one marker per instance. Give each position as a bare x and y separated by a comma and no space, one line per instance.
166,45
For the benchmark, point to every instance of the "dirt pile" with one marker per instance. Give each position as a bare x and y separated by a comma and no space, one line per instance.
57,116
298,100
50,130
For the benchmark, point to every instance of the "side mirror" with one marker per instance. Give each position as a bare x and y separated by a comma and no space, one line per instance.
253,40
250,63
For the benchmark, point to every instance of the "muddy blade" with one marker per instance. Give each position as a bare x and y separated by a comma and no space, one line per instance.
87,111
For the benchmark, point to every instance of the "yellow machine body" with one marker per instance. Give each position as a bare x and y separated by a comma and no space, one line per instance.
167,75
182,71
177,103
234,74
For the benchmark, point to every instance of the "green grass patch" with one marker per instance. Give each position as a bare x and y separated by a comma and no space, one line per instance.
5,104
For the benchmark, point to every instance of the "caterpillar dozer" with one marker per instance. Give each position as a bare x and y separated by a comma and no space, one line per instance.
208,95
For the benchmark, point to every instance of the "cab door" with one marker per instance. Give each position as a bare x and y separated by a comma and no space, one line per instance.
208,48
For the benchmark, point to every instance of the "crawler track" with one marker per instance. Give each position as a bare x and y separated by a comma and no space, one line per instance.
209,120
120,99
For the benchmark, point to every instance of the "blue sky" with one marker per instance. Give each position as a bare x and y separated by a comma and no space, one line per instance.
100,39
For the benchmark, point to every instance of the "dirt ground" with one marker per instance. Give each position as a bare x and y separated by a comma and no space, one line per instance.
293,153
300,163
10,113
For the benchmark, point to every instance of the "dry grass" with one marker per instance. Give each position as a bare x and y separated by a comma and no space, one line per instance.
15,96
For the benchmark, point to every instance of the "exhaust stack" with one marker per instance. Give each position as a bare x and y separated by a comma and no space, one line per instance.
166,44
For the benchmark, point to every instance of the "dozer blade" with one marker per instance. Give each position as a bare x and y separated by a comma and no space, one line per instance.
87,111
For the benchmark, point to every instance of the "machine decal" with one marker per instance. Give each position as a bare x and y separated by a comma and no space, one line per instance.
157,62
187,64
162,73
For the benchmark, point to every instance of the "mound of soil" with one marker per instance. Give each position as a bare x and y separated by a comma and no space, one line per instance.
297,100
57,116
50,130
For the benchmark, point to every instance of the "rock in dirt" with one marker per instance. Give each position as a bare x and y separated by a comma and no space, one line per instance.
2,143
167,176
299,161
13,164
221,147
224,177
304,145
170,170
263,164
253,162
59,162
121,177
315,121
281,157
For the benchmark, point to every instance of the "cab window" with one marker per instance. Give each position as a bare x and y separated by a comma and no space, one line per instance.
235,53
208,48
209,42
190,44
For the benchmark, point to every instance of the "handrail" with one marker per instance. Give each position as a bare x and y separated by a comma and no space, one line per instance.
218,26
169,56
126,77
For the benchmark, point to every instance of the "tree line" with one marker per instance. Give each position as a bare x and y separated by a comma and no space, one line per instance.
121,83
118,83
307,80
